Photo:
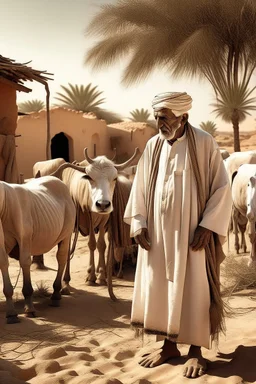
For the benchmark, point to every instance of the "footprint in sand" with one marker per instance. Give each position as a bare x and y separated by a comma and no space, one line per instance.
124,355
47,367
73,348
73,357
50,353
96,372
109,381
94,342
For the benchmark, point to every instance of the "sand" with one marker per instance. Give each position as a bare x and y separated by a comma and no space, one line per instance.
88,339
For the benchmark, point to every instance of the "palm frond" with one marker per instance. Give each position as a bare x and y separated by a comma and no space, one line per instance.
34,105
80,97
140,115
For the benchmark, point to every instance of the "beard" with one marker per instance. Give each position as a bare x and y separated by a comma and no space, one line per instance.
168,133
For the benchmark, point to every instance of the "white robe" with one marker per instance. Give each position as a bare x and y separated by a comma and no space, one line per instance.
171,291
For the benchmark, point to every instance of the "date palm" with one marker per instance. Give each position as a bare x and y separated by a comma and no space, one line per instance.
209,126
214,40
140,115
80,97
86,99
233,105
34,105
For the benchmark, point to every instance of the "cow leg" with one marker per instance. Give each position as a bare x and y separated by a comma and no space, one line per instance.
252,261
101,246
235,229
38,262
62,257
27,290
91,275
11,313
66,287
243,241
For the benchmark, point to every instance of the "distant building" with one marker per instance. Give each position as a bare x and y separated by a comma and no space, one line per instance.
71,131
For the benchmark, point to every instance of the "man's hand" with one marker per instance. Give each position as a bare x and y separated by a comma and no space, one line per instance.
141,237
201,238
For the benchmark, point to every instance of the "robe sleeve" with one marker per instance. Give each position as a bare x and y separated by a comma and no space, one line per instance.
216,215
136,212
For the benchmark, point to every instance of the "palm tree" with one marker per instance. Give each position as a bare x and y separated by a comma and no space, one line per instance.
233,105
79,97
209,126
85,99
214,40
34,105
140,115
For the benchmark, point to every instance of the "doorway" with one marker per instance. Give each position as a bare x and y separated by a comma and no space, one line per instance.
60,146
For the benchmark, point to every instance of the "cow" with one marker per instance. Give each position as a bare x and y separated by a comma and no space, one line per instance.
45,168
34,217
233,162
224,154
94,185
244,200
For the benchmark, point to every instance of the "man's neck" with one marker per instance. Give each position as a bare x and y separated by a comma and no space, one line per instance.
180,132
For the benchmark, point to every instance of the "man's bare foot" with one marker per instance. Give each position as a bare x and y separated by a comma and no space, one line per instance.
196,364
167,351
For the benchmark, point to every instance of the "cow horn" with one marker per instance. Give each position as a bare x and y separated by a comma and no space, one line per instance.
114,156
58,172
87,157
120,167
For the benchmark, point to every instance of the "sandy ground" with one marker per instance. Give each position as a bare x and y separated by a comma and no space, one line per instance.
88,339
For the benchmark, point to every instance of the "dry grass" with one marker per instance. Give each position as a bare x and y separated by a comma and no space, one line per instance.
237,275
42,290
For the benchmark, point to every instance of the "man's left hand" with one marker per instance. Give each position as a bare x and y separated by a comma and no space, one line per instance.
201,238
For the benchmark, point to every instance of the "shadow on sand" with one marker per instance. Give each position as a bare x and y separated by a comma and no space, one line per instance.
242,363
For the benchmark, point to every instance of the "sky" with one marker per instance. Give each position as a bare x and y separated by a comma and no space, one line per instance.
51,34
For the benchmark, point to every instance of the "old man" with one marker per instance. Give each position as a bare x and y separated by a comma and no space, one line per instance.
179,210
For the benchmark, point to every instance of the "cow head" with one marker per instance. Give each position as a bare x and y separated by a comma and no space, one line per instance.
100,175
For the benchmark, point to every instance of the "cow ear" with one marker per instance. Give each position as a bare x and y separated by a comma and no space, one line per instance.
253,180
87,177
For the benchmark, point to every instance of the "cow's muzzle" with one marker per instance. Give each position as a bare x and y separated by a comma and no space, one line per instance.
103,204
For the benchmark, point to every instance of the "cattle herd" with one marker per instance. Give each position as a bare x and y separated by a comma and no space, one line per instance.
89,198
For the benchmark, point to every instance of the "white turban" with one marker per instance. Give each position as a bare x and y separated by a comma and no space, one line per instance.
178,102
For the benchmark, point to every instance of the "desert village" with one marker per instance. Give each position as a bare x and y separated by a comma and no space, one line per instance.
88,339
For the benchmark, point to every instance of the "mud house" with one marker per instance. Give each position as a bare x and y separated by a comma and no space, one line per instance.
72,131
12,77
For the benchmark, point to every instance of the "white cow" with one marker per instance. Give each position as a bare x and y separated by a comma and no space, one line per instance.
34,217
97,191
44,168
233,162
244,199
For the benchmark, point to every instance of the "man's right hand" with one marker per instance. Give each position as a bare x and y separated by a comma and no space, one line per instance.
141,237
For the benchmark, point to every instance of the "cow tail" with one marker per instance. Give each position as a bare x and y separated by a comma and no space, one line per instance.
110,255
76,231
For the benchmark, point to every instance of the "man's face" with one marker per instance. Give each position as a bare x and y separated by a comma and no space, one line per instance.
167,123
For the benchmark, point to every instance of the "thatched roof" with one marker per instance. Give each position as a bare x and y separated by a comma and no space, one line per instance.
14,74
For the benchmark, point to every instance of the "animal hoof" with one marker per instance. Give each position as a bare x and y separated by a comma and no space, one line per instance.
120,275
55,303
101,282
90,283
30,314
65,291
13,319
